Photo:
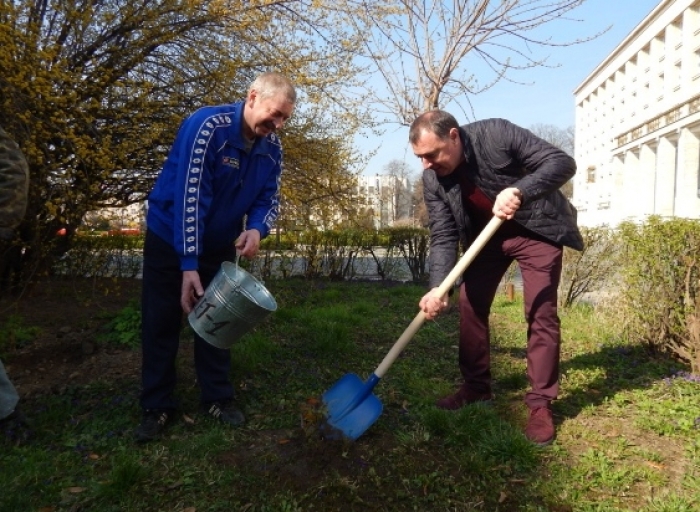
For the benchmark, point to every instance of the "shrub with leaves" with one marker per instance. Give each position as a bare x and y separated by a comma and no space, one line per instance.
412,244
125,327
344,254
589,270
102,256
14,334
661,283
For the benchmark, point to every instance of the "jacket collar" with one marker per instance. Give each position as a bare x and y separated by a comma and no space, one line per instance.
466,144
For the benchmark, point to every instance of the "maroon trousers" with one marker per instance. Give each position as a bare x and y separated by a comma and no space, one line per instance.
540,264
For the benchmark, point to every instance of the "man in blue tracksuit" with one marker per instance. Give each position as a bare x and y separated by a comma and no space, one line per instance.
223,170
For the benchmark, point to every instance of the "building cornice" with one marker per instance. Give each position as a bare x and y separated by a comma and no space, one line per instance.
632,36
679,112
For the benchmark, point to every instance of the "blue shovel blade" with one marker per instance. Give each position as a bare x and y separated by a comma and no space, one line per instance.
351,407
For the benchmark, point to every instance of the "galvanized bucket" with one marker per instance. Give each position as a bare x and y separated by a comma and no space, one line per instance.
233,303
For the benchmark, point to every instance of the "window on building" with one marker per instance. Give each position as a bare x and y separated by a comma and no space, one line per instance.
643,59
659,47
620,79
590,176
674,33
694,105
631,69
693,17
646,94
654,124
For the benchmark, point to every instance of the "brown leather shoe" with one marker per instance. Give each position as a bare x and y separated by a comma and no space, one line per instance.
463,397
540,426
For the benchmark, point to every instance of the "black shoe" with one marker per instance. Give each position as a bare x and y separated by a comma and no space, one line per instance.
15,428
225,412
152,424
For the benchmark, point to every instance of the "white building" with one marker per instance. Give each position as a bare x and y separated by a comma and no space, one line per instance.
381,200
638,123
386,197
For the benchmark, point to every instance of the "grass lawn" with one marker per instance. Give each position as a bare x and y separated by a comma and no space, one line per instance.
628,423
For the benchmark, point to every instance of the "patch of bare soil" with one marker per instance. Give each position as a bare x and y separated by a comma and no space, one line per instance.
303,462
295,460
70,315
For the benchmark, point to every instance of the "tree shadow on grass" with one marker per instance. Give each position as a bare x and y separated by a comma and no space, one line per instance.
590,379
615,369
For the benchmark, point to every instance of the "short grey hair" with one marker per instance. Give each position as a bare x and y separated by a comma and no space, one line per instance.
271,84
438,122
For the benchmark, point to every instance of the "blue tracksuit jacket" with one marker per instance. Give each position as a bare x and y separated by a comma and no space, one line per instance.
209,183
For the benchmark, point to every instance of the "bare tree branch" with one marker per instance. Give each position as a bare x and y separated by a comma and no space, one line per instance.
424,50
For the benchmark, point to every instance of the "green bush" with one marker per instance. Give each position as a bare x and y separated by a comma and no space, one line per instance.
281,242
102,256
413,245
125,327
661,283
592,269
334,254
14,334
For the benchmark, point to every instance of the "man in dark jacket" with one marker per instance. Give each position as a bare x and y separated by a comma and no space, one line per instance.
472,173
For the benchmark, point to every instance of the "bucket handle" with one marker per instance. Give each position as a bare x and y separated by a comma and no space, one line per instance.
235,285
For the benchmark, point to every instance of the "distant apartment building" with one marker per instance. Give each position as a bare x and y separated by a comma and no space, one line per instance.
638,123
385,198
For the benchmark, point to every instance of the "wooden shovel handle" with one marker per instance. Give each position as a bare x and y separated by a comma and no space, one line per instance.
444,287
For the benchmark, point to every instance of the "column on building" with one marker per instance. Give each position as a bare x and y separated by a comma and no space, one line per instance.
631,189
618,198
644,203
665,189
688,187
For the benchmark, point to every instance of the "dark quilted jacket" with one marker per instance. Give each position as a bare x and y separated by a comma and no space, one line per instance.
505,156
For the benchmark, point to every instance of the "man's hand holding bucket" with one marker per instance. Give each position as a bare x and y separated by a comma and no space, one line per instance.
248,244
192,290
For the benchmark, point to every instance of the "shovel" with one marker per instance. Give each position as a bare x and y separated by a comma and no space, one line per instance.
350,406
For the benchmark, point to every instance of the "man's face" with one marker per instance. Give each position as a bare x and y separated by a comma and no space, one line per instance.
441,155
265,115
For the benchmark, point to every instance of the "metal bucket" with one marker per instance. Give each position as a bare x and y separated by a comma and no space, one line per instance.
233,303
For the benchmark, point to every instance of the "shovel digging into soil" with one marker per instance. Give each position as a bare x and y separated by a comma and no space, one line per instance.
350,407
